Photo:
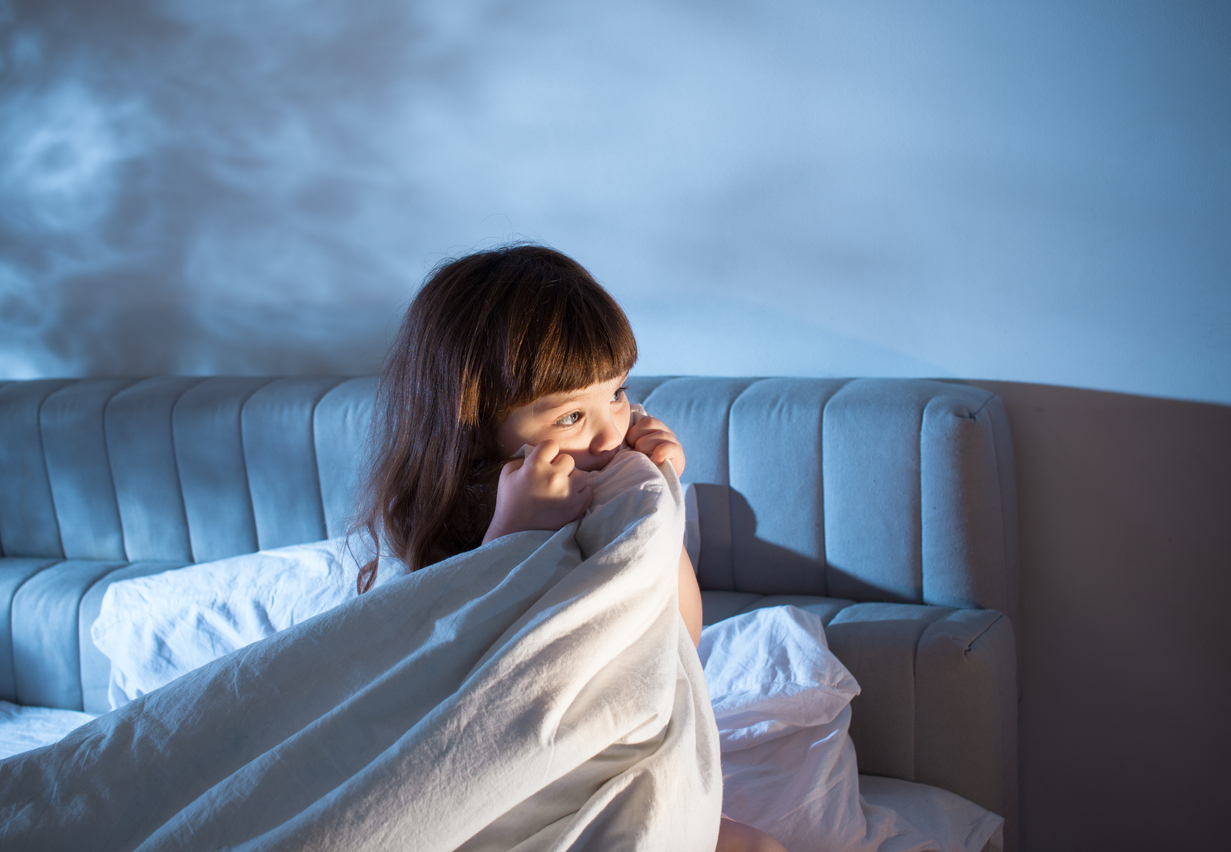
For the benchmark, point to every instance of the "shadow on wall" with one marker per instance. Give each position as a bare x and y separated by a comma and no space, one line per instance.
1123,506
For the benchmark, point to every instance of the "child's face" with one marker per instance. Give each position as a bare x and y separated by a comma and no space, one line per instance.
588,424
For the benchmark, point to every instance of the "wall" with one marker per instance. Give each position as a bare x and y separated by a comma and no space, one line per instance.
953,189
1036,195
1123,506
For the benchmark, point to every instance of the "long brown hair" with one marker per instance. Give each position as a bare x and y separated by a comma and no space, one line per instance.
486,333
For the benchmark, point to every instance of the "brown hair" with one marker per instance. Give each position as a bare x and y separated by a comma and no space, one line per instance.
486,333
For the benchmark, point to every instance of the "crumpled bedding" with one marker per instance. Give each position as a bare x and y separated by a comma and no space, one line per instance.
161,626
788,762
540,692
23,728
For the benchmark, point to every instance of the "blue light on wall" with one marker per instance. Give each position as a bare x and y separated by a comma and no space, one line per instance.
1037,194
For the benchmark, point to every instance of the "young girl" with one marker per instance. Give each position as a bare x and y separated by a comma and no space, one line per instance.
500,350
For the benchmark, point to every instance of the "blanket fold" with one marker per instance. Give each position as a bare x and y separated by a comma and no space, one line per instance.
540,692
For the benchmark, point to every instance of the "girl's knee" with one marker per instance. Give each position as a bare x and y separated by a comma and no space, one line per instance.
736,837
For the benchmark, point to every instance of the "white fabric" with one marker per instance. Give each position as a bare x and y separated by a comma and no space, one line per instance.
159,627
920,818
770,672
540,692
782,704
25,728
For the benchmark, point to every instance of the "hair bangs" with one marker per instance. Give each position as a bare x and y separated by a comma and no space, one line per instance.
579,337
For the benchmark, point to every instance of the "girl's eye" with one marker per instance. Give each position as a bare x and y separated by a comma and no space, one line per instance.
569,419
619,394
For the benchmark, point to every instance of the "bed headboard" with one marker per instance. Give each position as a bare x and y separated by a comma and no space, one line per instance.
867,489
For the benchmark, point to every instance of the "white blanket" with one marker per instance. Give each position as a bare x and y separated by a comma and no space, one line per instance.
24,728
540,692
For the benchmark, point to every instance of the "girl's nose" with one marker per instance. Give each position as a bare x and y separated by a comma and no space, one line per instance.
607,438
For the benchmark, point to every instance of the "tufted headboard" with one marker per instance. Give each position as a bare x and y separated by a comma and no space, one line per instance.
885,505
865,489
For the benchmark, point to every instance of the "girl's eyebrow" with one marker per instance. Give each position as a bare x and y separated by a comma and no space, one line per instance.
547,403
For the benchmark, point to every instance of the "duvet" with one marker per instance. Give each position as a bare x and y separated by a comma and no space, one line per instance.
540,692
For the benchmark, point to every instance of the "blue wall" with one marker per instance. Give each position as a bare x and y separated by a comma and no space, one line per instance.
1037,194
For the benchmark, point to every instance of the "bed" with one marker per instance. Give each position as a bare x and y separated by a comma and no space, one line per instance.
885,509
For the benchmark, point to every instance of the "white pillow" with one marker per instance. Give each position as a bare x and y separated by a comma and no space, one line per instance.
781,700
904,816
770,672
782,703
156,628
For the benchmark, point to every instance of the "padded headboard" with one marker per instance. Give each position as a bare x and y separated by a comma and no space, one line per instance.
867,489
177,468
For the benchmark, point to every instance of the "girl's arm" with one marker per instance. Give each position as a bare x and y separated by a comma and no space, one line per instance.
690,598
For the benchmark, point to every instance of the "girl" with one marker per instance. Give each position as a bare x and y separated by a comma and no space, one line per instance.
504,349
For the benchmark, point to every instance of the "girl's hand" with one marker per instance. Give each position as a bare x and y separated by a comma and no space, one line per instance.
542,492
651,436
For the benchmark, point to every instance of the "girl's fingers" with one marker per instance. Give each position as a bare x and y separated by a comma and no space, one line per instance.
566,464
664,451
547,451
661,434
644,444
657,443
648,426
651,436
645,424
